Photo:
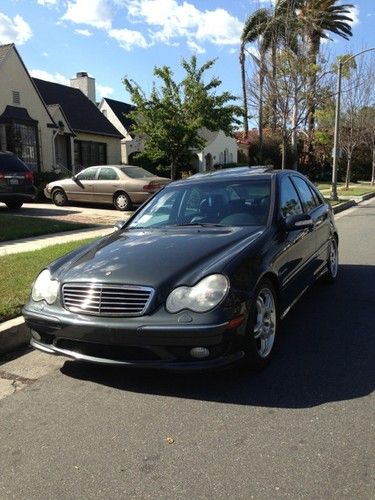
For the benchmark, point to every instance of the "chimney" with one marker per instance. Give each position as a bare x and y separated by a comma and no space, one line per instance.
86,84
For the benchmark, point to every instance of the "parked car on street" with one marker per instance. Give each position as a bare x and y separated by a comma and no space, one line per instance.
16,181
199,277
120,185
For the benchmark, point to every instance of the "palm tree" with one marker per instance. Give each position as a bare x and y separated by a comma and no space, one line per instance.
269,27
318,18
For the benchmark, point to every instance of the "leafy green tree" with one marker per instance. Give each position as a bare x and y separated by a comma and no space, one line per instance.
169,119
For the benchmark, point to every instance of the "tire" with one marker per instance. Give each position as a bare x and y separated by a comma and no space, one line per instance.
59,197
332,262
14,204
262,327
122,202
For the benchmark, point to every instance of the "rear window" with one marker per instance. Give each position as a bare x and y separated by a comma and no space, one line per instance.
11,163
136,172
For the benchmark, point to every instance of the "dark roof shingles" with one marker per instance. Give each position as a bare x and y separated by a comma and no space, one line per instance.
82,114
121,109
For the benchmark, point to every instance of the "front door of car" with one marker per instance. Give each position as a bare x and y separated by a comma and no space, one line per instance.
319,213
106,185
82,189
296,248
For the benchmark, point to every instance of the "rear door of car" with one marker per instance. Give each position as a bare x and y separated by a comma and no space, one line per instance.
83,188
107,183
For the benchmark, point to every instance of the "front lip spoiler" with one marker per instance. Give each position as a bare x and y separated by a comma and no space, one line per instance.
162,364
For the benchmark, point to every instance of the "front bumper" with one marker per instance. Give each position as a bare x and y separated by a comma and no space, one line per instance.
145,342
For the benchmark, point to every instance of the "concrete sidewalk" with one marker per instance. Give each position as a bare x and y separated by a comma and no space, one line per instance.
38,242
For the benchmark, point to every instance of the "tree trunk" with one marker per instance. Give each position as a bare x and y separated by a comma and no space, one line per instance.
273,90
260,111
173,169
283,153
373,166
348,168
294,132
244,96
312,53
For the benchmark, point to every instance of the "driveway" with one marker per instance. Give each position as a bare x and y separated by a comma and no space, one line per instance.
94,214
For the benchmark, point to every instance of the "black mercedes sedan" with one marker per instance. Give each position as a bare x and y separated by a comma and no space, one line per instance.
199,277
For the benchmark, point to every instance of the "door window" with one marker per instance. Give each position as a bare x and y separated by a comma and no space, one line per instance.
108,174
307,198
289,202
87,175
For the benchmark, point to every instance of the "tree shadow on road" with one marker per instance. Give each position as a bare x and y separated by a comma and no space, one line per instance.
326,354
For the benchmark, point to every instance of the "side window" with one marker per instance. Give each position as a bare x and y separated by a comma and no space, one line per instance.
305,193
289,202
87,175
107,174
317,196
193,201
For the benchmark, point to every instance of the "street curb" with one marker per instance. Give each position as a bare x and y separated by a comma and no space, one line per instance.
13,334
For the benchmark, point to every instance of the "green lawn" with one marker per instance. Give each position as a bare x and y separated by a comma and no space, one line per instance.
14,227
354,190
18,271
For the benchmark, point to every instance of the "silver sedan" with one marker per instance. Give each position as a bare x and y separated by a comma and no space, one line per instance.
120,185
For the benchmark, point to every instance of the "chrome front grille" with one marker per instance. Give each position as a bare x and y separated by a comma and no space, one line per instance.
106,300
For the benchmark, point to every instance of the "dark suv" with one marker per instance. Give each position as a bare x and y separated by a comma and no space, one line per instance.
16,181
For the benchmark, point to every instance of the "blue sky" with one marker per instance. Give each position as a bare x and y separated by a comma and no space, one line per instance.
113,38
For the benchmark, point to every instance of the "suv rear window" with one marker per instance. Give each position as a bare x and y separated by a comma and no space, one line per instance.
11,163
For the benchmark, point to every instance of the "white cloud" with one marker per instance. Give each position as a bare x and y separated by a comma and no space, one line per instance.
15,30
354,14
49,3
195,47
103,90
44,75
83,32
128,38
97,14
45,54
172,20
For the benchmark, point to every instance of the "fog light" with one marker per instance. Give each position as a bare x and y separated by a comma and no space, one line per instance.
36,335
199,352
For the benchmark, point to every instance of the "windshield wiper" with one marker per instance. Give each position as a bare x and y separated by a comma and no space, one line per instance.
199,224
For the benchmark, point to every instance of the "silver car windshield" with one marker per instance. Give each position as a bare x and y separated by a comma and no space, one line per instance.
227,203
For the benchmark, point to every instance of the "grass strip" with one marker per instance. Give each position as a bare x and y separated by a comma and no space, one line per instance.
14,227
18,271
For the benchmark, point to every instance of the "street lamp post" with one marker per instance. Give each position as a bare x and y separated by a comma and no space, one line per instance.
336,136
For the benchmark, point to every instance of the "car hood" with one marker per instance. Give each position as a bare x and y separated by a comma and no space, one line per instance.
156,258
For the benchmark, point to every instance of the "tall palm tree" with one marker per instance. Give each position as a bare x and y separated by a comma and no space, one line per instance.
319,18
269,27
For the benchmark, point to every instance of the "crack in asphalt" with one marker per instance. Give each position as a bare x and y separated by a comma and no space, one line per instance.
17,381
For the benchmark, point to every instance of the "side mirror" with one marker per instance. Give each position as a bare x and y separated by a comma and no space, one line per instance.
297,222
119,225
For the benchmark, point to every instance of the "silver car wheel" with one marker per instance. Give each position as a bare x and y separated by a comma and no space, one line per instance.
122,201
265,323
333,259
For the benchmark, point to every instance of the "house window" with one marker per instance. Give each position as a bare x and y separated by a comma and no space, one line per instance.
87,153
16,97
22,140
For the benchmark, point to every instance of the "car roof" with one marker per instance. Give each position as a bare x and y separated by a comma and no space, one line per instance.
236,173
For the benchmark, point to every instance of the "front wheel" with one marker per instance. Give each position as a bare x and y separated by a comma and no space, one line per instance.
122,202
59,198
262,326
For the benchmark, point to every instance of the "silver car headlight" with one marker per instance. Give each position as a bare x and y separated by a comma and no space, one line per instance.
202,297
45,288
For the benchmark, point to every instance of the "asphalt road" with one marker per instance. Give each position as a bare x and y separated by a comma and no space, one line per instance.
304,428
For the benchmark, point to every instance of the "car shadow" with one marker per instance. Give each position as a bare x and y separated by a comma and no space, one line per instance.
38,212
326,354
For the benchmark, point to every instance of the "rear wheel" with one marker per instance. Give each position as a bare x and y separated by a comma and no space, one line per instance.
59,197
14,204
332,262
122,202
262,326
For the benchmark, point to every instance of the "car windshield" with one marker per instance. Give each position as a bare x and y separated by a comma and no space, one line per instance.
224,203
136,172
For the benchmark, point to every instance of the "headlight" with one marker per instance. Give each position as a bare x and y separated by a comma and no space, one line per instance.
44,288
202,297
